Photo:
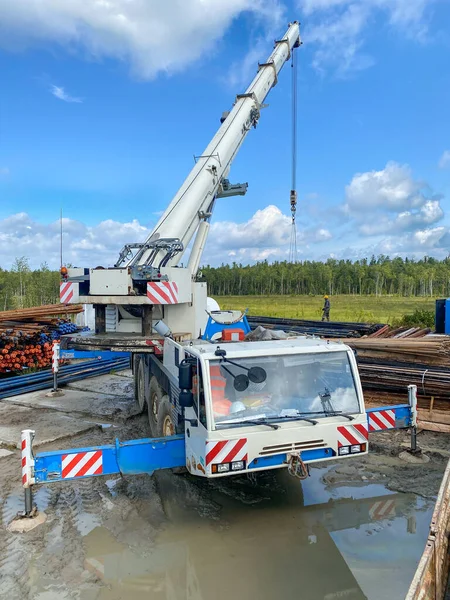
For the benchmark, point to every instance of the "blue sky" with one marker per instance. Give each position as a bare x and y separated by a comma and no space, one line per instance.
104,104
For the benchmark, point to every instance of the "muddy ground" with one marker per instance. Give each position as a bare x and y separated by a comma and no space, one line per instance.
177,537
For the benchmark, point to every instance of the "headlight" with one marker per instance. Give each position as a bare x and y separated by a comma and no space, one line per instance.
344,450
355,449
223,468
238,465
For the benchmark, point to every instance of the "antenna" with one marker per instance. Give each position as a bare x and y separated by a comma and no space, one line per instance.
61,239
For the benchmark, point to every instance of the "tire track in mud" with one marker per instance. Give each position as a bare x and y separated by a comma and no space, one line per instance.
14,550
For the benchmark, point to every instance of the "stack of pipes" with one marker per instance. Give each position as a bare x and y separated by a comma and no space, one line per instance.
26,336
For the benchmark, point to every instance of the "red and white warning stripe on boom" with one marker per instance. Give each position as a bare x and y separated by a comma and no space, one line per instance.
66,291
80,464
352,434
162,292
381,419
226,451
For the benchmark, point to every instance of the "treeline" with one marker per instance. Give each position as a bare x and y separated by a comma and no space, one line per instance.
22,287
377,275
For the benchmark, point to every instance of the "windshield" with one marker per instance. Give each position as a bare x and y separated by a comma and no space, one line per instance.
282,387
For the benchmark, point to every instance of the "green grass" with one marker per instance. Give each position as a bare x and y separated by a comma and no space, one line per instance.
370,309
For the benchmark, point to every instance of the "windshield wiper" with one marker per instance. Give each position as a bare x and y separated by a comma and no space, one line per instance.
298,417
252,422
331,413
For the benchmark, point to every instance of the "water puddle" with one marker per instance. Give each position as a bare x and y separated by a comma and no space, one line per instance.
234,540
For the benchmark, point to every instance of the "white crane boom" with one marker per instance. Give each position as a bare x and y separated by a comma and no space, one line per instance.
146,283
193,203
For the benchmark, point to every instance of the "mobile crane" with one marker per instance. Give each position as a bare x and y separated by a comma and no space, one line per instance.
216,409
147,284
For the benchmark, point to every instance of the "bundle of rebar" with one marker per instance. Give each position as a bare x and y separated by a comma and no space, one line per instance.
395,377
38,312
431,350
330,329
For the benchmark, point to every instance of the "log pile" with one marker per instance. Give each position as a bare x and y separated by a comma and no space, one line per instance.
26,336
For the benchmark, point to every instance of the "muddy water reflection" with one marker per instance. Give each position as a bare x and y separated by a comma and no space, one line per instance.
237,540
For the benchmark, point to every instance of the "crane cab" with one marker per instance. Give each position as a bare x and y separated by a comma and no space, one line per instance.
250,406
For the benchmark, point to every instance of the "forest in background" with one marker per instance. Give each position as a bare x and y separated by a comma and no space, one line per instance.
376,276
22,287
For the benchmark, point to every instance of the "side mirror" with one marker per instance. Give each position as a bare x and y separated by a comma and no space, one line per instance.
241,383
186,399
185,376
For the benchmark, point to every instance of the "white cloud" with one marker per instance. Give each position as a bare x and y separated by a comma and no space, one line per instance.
266,235
429,213
390,201
268,227
151,36
83,245
338,27
444,161
59,92
392,189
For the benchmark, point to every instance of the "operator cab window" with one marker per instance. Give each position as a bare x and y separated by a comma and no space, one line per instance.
199,394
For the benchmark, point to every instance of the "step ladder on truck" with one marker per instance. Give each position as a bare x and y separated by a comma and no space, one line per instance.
217,409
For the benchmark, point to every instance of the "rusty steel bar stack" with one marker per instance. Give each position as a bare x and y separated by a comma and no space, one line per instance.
26,336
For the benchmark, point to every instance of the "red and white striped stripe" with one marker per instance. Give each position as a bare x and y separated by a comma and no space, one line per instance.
158,347
27,458
162,292
382,509
96,565
226,451
352,434
81,464
381,419
66,291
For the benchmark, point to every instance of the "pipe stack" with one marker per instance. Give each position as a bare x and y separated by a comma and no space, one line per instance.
26,336
329,329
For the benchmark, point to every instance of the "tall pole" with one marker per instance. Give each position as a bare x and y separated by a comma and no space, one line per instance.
61,239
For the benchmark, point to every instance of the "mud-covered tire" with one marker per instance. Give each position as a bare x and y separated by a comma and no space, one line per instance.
140,386
136,361
166,427
155,396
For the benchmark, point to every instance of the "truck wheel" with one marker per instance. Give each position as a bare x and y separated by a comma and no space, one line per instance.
166,425
140,385
154,402
136,361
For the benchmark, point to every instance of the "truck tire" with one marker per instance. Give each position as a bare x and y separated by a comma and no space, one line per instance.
140,385
154,402
135,364
166,425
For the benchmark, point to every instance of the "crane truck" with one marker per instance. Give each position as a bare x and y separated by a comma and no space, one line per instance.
215,408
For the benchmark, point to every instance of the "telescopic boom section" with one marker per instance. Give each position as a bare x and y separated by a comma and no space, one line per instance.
194,202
